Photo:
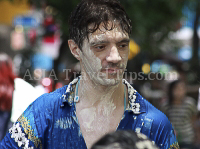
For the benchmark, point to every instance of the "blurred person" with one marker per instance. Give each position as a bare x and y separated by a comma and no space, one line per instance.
181,111
15,95
124,139
99,101
6,92
23,95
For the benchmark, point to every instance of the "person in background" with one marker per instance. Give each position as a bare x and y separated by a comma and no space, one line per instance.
6,91
181,111
15,94
124,140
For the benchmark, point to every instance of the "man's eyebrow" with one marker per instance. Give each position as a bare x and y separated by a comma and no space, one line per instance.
124,40
98,42
105,41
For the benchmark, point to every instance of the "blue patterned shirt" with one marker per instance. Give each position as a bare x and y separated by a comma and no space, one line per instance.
50,122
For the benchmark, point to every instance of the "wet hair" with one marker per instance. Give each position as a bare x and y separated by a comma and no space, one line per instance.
96,12
124,139
6,82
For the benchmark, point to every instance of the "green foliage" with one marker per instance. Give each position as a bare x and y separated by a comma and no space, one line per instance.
152,21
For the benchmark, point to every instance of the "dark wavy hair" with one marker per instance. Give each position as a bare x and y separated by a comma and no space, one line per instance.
124,139
6,82
96,12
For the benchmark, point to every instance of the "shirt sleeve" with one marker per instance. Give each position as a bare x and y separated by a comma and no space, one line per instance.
162,131
28,132
171,141
33,127
23,134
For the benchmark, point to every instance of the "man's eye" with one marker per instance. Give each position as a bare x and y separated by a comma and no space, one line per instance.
123,45
100,47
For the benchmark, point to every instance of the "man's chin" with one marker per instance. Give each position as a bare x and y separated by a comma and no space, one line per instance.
109,82
107,79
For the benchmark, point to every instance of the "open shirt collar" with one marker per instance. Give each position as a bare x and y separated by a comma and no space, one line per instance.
135,100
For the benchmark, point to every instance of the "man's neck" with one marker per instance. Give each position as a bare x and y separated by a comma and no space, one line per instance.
92,94
99,109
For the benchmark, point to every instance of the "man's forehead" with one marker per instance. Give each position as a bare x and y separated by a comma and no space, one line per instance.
108,24
110,31
106,27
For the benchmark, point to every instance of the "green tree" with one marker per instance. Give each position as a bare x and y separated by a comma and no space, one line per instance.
152,21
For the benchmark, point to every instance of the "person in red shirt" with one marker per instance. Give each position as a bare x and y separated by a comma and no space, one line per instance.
6,91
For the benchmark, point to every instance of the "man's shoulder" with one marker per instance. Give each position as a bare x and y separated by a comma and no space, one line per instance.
155,124
156,114
139,105
50,99
152,112
44,106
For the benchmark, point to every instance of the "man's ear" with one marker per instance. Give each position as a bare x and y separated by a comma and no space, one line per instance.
74,49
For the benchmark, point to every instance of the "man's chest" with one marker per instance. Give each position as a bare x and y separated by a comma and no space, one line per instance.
81,132
94,125
73,132
98,128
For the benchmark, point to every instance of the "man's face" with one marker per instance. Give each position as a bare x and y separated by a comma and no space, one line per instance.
179,90
104,56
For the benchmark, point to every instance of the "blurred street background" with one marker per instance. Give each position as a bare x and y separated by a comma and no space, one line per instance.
164,47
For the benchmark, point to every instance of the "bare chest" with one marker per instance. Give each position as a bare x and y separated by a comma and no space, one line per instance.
94,124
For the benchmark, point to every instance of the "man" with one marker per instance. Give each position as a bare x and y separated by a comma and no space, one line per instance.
98,102
124,140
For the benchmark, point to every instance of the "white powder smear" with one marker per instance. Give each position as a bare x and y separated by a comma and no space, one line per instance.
88,114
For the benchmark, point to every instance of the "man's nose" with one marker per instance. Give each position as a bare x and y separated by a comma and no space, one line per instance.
113,56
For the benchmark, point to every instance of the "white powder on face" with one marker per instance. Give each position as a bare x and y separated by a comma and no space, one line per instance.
125,58
93,65
102,101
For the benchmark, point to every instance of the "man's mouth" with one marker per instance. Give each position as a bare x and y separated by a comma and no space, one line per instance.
112,70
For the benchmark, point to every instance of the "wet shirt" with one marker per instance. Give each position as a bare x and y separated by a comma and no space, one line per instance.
50,122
